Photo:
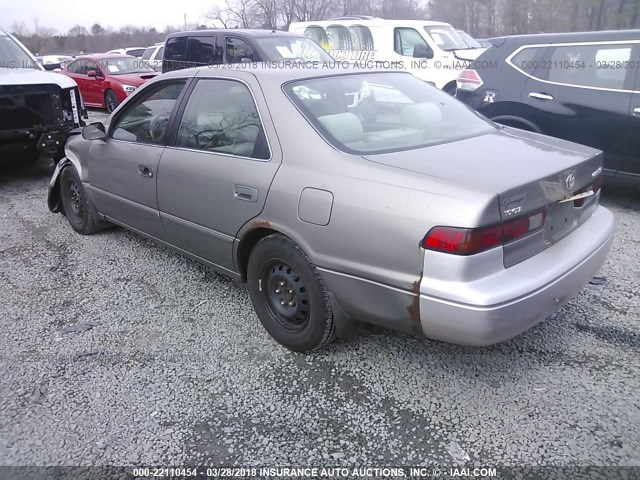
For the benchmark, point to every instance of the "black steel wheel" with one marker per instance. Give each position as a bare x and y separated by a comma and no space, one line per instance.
76,206
288,295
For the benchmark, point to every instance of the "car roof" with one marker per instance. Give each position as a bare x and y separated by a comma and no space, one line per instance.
601,36
378,21
247,32
102,56
269,74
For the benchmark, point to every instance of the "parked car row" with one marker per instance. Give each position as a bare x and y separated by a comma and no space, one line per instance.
342,196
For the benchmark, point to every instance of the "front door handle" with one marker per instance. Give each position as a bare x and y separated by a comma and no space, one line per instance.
248,194
145,171
636,112
541,96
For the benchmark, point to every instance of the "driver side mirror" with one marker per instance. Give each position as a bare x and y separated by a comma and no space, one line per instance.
94,131
92,74
422,51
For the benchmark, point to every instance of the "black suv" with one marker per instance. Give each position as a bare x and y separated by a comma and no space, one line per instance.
583,87
215,47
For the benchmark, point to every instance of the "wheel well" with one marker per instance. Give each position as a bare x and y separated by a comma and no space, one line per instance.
246,245
450,87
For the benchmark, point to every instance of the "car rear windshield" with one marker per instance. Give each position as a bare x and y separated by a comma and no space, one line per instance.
124,65
292,48
12,56
383,112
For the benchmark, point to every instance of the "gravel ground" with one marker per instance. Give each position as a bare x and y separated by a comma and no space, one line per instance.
174,367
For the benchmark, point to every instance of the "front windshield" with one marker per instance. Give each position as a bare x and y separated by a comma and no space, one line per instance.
12,56
383,112
293,48
124,65
446,37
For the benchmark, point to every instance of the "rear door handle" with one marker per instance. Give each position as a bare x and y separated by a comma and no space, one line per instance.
145,171
541,96
636,112
248,194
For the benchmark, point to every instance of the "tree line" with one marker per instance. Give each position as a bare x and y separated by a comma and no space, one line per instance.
481,18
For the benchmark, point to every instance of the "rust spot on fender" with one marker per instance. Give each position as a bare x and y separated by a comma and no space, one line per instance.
414,307
261,224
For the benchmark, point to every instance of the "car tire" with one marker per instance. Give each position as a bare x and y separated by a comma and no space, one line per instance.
289,296
110,101
80,213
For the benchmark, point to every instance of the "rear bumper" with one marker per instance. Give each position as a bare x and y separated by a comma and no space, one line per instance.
513,300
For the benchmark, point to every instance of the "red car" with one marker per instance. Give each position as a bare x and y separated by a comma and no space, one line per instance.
105,79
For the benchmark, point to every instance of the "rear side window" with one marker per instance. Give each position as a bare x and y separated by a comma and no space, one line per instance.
148,53
525,60
598,66
221,117
187,52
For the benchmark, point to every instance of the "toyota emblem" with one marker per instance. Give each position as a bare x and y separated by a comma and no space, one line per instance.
570,181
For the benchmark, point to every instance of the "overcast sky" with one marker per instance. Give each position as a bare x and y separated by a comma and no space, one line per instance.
63,14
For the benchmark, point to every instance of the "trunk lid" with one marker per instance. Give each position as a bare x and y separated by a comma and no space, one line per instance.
527,172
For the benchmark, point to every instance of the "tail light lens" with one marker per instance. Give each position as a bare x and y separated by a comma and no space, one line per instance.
467,241
595,186
469,80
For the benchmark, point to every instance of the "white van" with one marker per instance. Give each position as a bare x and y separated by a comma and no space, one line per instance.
432,51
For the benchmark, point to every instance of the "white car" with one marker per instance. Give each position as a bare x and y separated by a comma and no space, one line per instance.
53,62
133,51
432,51
39,109
153,56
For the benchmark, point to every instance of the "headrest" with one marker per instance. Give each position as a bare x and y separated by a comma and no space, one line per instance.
345,127
421,115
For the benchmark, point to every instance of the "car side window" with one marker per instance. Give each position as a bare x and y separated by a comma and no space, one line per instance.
91,66
79,67
73,67
237,50
147,53
526,59
146,119
222,117
590,65
406,39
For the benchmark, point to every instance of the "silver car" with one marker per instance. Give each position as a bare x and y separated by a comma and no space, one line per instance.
346,196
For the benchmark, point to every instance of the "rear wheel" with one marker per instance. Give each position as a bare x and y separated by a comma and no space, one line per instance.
288,295
110,101
79,211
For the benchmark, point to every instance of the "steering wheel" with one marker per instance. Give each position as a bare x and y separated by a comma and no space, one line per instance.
158,125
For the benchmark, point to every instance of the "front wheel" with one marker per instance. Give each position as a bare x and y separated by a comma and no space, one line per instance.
288,295
110,101
76,206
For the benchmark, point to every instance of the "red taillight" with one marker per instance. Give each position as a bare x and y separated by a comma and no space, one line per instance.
462,241
595,187
467,241
469,80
